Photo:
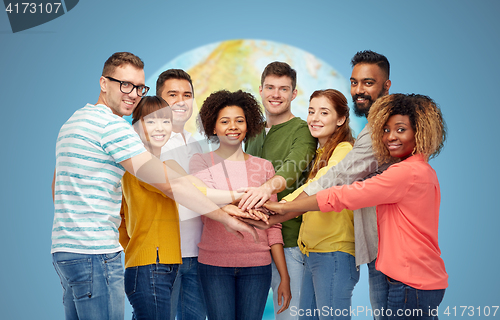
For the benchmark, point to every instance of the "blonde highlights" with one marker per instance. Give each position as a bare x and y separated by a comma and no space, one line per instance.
425,117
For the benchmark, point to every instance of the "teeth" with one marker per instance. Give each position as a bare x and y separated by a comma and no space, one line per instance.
179,110
128,102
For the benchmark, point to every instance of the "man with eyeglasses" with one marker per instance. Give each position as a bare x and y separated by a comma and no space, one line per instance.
94,148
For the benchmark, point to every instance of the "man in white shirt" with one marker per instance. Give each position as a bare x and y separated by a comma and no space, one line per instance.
175,87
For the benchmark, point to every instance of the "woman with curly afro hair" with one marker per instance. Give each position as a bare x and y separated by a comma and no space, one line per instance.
410,128
236,272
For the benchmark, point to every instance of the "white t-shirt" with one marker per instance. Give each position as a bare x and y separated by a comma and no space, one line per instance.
189,221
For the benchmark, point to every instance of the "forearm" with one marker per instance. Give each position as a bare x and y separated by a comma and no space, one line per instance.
223,196
279,260
215,195
173,184
274,185
303,203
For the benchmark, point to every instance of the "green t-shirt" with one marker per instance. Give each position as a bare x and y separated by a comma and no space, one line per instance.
290,147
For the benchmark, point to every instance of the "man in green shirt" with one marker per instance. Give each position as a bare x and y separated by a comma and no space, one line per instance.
288,144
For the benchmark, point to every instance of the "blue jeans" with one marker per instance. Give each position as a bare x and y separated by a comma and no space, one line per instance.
92,285
405,302
329,279
295,265
378,291
149,289
235,293
187,296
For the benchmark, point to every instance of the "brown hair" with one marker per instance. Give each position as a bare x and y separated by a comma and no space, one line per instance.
279,69
119,59
178,74
343,132
425,117
150,104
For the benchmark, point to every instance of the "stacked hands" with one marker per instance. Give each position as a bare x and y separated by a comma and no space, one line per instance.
253,207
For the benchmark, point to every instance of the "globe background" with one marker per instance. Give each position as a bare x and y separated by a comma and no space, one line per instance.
445,49
238,64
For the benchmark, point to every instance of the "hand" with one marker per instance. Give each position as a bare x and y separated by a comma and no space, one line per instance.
276,207
236,227
254,197
256,223
284,295
234,211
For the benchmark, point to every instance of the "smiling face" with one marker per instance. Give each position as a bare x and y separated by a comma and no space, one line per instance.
178,93
155,132
231,126
322,119
122,104
277,95
399,136
368,83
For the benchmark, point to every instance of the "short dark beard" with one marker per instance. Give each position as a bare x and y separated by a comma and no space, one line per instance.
364,112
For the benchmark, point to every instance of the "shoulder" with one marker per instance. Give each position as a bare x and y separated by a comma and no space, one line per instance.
341,150
344,145
257,160
200,157
410,170
297,123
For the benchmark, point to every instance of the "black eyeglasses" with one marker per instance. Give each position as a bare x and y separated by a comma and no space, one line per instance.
127,87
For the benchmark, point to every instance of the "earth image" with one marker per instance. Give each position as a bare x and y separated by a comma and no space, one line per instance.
238,64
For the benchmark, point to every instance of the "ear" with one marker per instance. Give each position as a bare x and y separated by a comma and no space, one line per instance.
387,85
260,90
294,94
102,82
340,121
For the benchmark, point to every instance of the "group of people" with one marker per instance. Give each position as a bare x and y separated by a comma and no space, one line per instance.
282,203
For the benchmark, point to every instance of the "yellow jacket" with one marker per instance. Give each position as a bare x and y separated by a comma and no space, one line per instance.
150,225
326,231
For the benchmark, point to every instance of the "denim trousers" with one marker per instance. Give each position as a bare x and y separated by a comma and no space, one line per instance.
407,303
378,291
329,279
188,302
235,293
295,265
92,285
149,289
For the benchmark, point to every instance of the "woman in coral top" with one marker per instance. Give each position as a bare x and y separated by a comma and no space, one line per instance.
327,239
236,272
407,195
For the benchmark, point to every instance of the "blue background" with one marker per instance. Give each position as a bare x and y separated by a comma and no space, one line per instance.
445,49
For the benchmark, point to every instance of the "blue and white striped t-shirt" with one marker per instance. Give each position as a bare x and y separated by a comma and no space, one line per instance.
88,191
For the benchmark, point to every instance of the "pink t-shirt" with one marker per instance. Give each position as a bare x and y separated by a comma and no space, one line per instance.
407,197
218,247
